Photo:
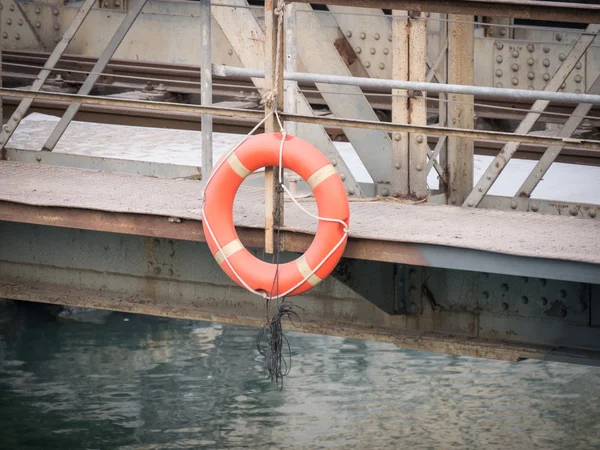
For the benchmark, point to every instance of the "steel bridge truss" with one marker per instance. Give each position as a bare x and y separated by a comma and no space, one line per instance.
425,48
417,45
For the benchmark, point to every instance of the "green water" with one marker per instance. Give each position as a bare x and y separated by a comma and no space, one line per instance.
137,382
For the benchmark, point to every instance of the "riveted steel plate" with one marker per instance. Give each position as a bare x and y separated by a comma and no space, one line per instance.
531,65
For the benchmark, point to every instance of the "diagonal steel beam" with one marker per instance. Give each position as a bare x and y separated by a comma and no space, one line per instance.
248,43
552,153
96,72
319,55
433,67
54,57
368,51
499,163
432,155
28,22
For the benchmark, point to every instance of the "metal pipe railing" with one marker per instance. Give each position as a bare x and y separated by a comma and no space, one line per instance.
378,83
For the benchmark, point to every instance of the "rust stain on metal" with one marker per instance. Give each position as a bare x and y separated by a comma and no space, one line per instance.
557,309
165,308
524,9
346,51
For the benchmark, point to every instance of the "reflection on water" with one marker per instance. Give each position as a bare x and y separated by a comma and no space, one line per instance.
139,382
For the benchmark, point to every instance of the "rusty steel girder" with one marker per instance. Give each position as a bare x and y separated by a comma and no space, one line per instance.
518,9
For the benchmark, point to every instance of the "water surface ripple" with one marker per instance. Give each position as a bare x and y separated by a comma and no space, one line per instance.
137,382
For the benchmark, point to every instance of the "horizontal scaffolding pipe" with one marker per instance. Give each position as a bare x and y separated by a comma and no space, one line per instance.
340,122
378,83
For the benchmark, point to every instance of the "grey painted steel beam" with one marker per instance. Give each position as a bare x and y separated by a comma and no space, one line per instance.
368,20
576,210
98,163
479,261
443,131
518,9
1,84
418,148
41,78
291,65
141,104
552,153
319,55
501,160
400,105
206,84
461,70
95,73
425,255
452,311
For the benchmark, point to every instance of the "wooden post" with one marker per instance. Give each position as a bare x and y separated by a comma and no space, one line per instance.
273,82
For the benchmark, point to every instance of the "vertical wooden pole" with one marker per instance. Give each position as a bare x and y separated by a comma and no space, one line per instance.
460,115
273,83
400,106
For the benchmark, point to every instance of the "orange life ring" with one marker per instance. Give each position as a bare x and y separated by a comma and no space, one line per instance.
309,163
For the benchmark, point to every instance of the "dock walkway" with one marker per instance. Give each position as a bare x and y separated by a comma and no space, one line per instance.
426,235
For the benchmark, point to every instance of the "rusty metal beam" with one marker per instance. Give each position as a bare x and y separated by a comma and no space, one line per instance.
461,70
518,9
191,121
425,255
123,103
417,106
400,103
325,121
417,341
442,131
436,309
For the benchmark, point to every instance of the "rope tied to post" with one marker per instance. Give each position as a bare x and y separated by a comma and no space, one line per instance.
269,97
